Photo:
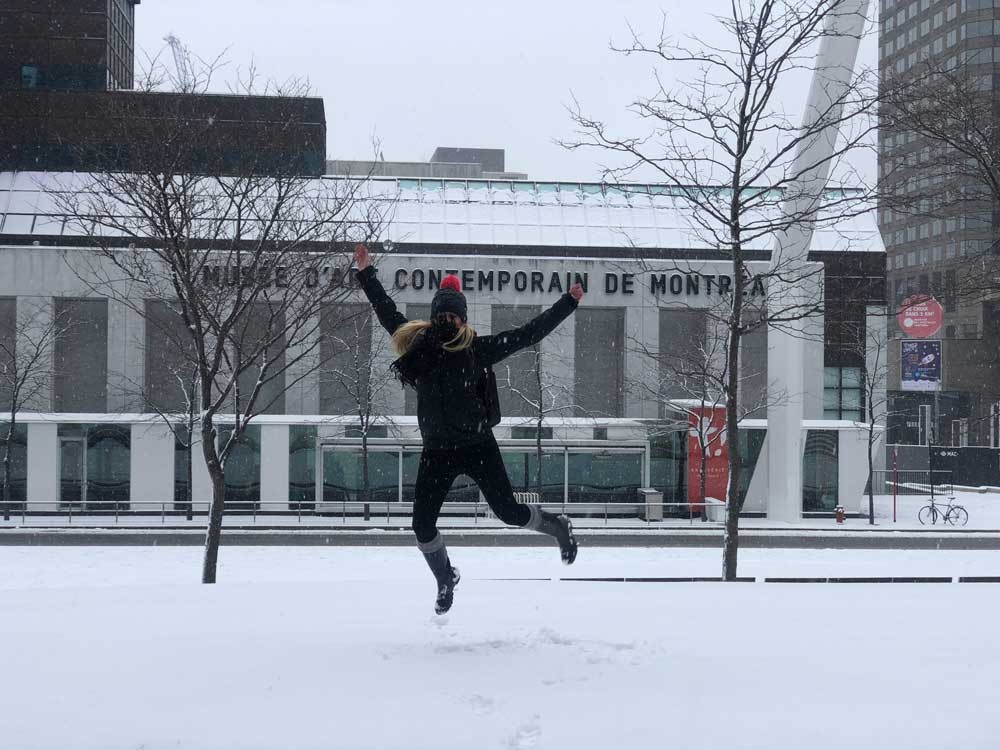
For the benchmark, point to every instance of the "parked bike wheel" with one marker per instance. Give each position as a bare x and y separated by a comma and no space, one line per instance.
928,515
957,516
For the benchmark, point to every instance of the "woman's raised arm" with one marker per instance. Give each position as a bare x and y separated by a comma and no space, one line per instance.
384,307
501,345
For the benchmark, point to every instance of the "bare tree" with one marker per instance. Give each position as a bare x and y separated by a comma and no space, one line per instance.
357,367
25,375
548,395
873,349
241,262
687,380
721,138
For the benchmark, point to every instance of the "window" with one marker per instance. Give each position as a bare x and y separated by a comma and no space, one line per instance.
820,473
8,340
682,353
518,375
346,353
80,383
170,384
599,349
260,333
842,393
31,77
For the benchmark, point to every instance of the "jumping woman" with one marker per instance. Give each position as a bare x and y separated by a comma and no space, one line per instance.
457,407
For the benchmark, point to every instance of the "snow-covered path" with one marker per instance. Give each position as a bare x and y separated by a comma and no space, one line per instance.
337,648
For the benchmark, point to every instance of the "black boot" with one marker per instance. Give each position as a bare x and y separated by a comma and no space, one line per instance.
447,577
558,526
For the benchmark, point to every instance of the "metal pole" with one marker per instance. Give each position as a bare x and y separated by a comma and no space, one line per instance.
895,481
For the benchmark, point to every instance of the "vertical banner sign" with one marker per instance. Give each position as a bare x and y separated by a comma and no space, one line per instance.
707,427
920,365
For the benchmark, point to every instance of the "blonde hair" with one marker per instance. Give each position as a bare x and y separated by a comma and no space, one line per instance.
405,336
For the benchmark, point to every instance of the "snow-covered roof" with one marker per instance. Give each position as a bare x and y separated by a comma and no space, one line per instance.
487,212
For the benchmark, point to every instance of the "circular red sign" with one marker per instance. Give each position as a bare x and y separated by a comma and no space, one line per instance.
920,316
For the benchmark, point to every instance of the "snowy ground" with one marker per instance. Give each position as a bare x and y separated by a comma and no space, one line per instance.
337,648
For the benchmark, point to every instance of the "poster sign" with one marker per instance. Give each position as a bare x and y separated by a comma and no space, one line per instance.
707,427
920,316
920,365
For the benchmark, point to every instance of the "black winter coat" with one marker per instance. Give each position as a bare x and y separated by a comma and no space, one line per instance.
451,410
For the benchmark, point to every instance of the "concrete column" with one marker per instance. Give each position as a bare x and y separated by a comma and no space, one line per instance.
43,466
274,465
852,469
151,465
787,363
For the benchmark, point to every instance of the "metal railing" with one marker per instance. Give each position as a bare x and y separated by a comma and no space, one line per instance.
911,481
454,514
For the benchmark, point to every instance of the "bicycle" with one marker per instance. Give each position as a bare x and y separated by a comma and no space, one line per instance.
954,514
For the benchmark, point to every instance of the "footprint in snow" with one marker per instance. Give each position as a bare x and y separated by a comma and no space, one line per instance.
527,735
481,705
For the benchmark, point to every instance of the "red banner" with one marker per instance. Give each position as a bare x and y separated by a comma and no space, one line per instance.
920,316
707,427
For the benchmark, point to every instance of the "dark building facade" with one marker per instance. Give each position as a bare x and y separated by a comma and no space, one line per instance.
931,245
66,70
67,44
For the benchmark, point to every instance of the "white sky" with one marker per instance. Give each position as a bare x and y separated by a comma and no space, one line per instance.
441,72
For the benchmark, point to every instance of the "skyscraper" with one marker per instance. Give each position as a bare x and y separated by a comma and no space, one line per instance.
67,44
932,242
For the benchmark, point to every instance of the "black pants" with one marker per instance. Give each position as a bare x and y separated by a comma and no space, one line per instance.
481,462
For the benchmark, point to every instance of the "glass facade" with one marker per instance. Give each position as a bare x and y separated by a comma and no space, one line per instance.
80,382
842,393
183,456
95,465
242,472
518,374
604,476
343,475
599,346
668,465
18,487
820,478
301,467
522,467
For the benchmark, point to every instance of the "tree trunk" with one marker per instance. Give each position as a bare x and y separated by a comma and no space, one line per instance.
538,458
871,478
214,533
365,482
189,469
5,490
733,505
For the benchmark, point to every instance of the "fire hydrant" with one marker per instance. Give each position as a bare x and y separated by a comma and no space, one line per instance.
839,513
